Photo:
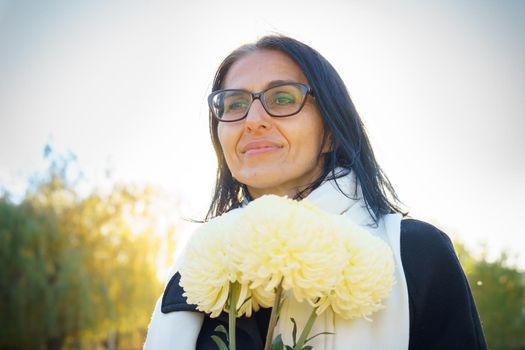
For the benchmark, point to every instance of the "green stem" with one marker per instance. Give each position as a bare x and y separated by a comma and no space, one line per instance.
273,317
306,330
232,313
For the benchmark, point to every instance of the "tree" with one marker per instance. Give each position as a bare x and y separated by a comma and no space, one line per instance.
499,293
74,269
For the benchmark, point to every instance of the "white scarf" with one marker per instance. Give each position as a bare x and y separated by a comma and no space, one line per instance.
389,328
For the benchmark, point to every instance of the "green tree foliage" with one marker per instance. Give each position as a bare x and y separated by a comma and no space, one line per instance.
74,269
499,292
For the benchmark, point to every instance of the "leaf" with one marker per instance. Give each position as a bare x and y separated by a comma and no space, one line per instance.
222,329
288,347
219,342
307,347
313,336
277,343
294,331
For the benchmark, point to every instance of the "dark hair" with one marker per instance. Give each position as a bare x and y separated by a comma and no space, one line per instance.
351,148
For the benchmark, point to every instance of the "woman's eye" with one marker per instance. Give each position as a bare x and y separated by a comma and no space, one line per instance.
237,104
283,99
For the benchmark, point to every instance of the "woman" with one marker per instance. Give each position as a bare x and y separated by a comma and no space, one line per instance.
282,122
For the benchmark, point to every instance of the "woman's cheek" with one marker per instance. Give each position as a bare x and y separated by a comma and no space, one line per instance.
228,144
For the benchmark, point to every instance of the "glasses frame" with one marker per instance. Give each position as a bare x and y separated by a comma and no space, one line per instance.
258,96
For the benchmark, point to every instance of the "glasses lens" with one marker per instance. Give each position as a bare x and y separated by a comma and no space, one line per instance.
285,100
231,105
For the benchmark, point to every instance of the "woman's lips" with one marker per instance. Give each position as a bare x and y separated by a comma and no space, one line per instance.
259,150
258,147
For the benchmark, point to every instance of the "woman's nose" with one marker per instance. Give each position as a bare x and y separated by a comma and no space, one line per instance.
257,117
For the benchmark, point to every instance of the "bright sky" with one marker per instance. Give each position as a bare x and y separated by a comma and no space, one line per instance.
439,85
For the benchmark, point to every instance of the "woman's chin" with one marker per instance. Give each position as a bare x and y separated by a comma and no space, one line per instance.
260,177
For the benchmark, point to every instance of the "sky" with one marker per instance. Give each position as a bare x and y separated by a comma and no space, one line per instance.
123,85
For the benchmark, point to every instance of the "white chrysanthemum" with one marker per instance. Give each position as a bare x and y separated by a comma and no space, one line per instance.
368,275
322,258
282,239
207,271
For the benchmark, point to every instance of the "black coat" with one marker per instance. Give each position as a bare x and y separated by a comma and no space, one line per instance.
442,311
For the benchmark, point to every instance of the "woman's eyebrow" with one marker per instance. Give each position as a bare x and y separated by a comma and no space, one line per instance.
278,82
267,86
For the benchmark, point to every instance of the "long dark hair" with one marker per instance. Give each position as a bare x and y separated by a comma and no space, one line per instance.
351,148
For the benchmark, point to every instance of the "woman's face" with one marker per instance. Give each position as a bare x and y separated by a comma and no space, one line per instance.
272,155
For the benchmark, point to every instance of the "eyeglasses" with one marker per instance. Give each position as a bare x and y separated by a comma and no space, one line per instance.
284,100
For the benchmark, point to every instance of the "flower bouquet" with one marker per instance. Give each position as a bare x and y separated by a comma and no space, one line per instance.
276,247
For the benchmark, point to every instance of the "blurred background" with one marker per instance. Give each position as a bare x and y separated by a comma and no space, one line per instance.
105,156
